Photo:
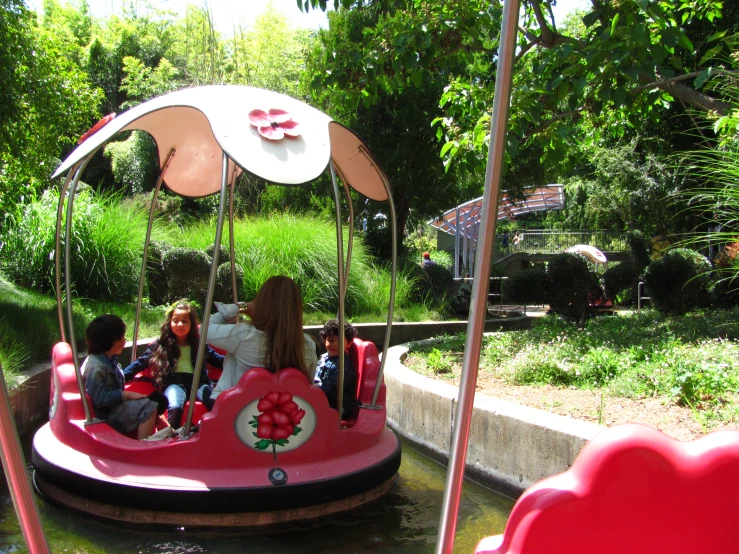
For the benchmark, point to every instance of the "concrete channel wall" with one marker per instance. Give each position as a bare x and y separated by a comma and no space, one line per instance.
510,446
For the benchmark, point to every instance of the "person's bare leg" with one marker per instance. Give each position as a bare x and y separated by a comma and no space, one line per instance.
147,427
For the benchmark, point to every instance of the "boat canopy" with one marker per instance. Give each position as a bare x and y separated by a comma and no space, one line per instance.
200,124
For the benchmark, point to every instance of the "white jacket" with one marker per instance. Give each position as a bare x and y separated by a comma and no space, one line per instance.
246,348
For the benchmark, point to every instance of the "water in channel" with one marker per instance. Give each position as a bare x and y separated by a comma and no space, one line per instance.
403,521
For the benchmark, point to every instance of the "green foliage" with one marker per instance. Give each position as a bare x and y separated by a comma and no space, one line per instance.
134,162
691,359
46,103
29,327
573,286
304,248
529,286
155,273
617,281
224,284
678,282
640,250
438,362
186,271
224,254
107,243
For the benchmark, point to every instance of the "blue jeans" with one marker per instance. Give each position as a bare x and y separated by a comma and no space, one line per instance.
177,395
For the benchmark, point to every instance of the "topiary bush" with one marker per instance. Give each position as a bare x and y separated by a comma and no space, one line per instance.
679,281
618,280
223,254
441,280
224,291
186,271
155,273
572,286
528,286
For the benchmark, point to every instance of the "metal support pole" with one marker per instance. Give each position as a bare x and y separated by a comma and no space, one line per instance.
457,269
350,241
475,326
14,465
208,299
342,289
232,186
68,285
142,278
58,252
393,279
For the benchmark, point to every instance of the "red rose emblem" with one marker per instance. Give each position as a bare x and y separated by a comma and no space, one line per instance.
277,421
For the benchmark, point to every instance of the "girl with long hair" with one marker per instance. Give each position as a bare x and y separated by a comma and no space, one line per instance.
273,338
172,357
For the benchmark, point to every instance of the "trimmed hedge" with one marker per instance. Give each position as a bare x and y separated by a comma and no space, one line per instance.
186,271
618,279
528,286
573,286
678,282
223,290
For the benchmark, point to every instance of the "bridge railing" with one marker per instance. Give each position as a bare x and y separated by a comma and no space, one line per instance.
553,242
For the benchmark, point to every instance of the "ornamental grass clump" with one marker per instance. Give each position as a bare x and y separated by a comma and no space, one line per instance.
107,244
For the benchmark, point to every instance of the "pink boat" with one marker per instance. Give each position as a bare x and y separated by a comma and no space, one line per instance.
218,472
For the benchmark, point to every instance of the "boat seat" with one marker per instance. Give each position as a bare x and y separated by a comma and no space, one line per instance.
632,489
367,361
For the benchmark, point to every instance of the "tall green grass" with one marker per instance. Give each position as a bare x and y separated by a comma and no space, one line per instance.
304,248
107,245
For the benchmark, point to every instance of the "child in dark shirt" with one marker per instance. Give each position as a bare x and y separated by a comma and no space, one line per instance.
327,370
125,411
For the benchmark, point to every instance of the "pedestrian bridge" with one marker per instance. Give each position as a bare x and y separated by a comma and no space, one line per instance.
540,245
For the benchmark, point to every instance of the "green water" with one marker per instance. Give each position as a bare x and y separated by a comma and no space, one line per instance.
403,521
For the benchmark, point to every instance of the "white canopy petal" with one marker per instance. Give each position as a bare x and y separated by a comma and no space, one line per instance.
590,252
200,123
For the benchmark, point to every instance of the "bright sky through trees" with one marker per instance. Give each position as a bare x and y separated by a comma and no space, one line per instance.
226,13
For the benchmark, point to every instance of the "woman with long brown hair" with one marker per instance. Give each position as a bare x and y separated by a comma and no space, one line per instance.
273,339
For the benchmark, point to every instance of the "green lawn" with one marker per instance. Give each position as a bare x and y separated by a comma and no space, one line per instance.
692,359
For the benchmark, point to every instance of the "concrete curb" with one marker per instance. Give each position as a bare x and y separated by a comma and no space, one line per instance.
510,446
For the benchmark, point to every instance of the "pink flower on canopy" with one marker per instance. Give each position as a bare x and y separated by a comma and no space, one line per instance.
274,124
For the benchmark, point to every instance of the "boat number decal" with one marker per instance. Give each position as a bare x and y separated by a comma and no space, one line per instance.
276,423
277,476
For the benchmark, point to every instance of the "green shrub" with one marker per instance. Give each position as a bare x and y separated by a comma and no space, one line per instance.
223,253
573,286
155,273
528,286
678,282
186,271
460,297
618,280
441,280
224,290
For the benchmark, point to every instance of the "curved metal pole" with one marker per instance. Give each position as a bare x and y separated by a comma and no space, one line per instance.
393,279
209,298
342,289
58,252
146,254
14,465
68,284
478,308
351,232
234,292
